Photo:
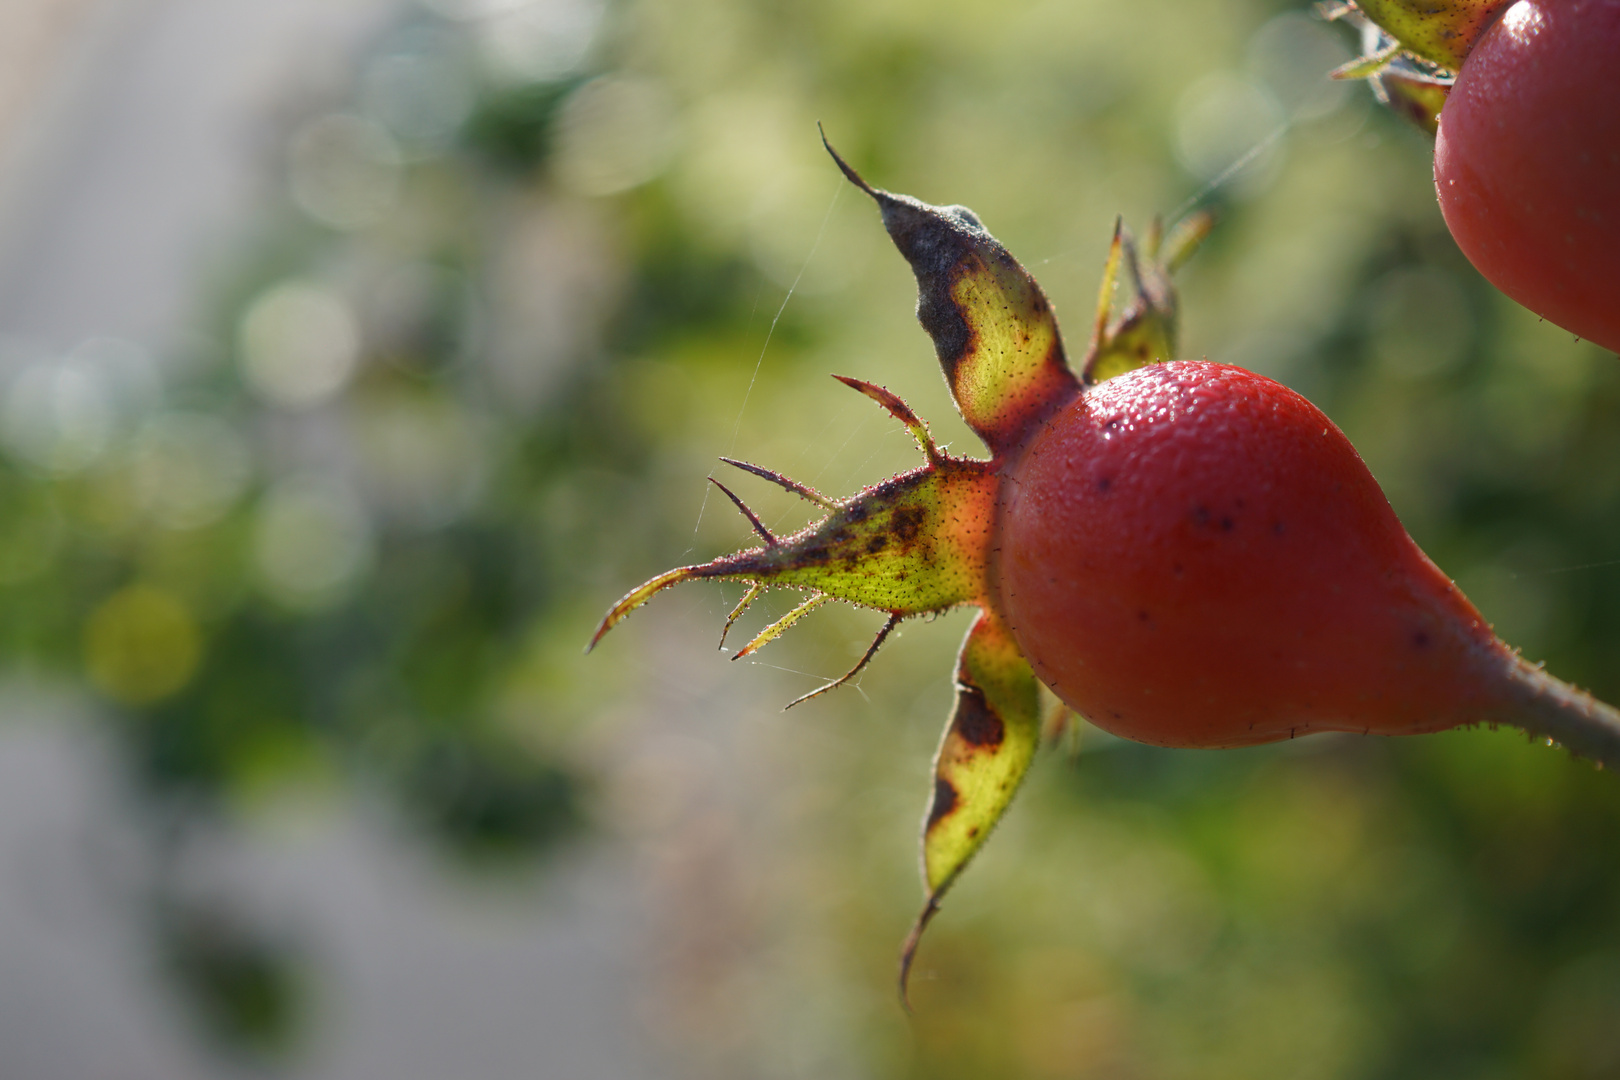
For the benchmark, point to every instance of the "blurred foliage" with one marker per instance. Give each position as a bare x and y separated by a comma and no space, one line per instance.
244,988
463,390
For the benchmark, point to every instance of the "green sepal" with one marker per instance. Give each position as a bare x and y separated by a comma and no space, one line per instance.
1145,330
1414,86
1415,97
1365,67
1439,31
913,544
992,327
987,747
916,543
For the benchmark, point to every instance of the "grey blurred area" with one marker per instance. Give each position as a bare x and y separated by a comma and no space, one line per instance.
134,143
411,972
138,139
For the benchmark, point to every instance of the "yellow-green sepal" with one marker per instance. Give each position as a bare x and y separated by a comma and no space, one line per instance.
1439,31
987,748
915,543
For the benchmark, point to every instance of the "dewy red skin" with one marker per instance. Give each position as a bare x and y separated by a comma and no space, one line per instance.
1193,555
1527,161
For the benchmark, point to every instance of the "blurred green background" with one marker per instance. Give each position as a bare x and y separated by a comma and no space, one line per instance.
512,275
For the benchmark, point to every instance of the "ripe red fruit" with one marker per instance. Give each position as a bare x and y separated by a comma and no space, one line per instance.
1194,555
1186,553
1527,161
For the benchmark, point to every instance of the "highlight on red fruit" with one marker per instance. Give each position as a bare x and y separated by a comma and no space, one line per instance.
1184,553
1527,161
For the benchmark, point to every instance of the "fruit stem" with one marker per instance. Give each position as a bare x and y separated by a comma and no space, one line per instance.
1553,709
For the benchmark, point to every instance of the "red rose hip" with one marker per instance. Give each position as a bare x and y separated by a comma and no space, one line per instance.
1194,555
1527,161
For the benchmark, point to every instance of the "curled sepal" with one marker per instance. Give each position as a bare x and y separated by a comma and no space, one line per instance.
1439,31
1145,330
993,329
987,748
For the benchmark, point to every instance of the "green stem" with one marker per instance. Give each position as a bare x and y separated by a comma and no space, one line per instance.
1547,707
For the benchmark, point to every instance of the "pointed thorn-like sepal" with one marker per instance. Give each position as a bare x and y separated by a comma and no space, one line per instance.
908,950
844,167
781,626
897,409
753,518
804,491
871,651
1365,67
755,591
641,594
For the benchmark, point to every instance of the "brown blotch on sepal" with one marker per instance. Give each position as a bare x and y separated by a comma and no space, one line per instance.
913,544
983,755
993,330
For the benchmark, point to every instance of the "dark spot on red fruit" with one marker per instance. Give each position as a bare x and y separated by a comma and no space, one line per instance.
944,801
1227,524
1421,639
1178,569
1201,515
1277,529
975,722
1104,483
